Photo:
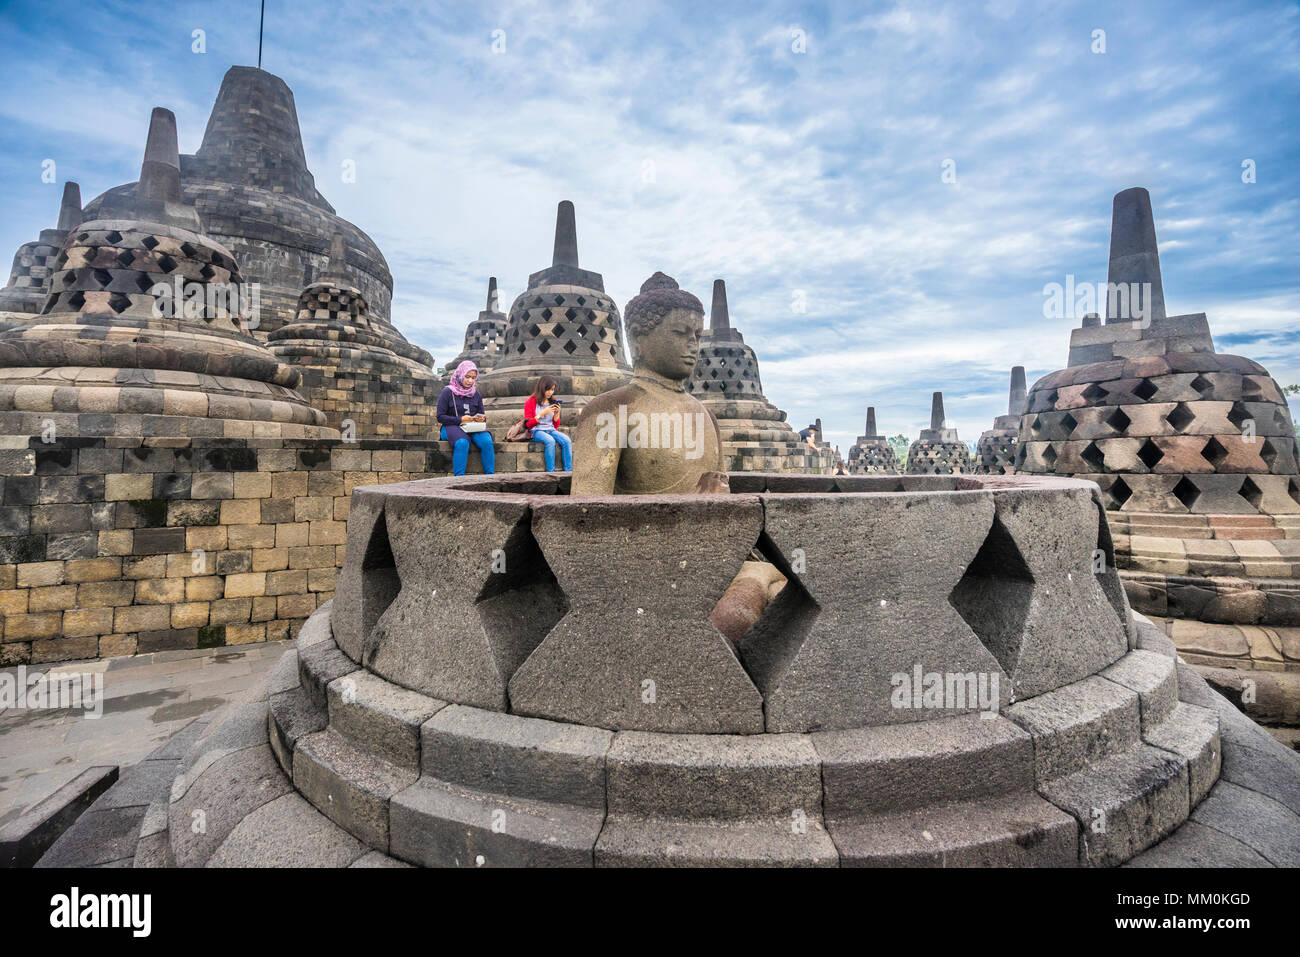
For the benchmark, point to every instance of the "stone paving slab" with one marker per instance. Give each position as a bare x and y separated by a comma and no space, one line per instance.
147,700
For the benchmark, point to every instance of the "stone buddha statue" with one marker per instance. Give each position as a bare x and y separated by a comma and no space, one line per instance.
651,436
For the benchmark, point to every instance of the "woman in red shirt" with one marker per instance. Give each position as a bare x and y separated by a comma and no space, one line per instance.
542,416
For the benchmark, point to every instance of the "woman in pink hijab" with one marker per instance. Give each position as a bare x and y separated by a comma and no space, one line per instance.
460,410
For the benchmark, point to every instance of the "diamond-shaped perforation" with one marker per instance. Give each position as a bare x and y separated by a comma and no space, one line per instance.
771,642
519,607
1202,385
1214,452
1186,492
1119,493
1118,421
1049,456
379,581
994,595
1238,415
1251,492
1150,454
1268,453
1293,489
1094,456
1068,424
113,237
1180,417
1145,389
1094,392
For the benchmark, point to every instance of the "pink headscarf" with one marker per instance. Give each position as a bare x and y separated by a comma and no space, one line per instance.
457,383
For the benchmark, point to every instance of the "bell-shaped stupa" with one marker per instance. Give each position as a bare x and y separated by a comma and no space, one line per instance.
563,325
755,434
938,451
143,332
354,369
250,184
872,453
483,336
995,453
1195,451
29,280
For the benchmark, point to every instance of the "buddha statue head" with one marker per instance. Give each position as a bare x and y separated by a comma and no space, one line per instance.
664,325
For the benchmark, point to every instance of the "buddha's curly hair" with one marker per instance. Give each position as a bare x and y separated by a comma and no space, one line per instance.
659,296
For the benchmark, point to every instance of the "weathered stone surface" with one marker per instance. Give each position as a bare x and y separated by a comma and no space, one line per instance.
287,832
527,757
350,786
380,717
713,800
438,825
1017,829
1195,845
292,715
219,798
636,648
424,640
1077,726
1259,822
1124,803
1152,676
825,651
1193,734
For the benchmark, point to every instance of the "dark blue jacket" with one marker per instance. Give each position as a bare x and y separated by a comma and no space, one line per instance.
452,406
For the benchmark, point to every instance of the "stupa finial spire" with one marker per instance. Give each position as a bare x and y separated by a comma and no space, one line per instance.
1016,400
70,207
160,174
936,411
493,303
1134,260
566,236
871,422
719,316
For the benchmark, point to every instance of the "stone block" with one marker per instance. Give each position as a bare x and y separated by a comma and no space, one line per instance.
1077,726
438,825
636,649
287,832
525,757
350,786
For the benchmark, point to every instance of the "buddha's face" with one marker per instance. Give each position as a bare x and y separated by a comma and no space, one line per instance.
672,348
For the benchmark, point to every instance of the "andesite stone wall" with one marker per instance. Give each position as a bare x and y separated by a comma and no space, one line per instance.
118,546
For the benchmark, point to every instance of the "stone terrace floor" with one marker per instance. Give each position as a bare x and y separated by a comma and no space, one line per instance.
148,698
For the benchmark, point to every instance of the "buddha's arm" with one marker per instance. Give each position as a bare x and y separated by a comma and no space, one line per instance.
595,462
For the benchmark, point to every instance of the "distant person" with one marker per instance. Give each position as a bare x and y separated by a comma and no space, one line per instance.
542,417
460,410
809,435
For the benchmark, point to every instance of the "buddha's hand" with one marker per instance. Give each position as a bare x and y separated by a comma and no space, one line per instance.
712,483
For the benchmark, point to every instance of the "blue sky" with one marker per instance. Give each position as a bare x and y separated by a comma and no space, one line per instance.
693,138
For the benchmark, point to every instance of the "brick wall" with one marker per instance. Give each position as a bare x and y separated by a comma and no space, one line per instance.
121,546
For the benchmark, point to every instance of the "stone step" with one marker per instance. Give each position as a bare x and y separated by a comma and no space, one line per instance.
1078,725
1192,733
1008,830
380,717
900,767
435,824
530,758
713,800
1124,803
349,785
1152,676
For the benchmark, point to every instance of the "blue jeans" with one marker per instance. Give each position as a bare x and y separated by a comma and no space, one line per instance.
460,451
549,440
